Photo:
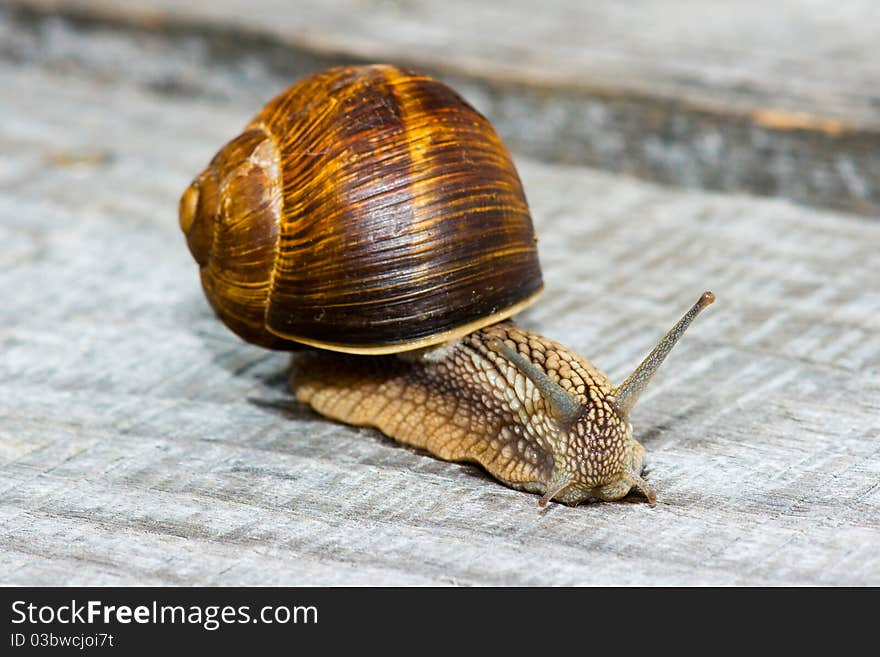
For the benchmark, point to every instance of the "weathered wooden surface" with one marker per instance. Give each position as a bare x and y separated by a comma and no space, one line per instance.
777,98
142,443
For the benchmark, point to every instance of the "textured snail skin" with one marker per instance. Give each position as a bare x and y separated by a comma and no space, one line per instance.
464,401
367,209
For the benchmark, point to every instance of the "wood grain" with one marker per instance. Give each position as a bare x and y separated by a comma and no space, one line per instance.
688,92
142,443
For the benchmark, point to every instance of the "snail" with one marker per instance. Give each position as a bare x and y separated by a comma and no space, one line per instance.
370,217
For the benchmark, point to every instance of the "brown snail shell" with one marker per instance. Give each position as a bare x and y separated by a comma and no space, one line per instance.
366,209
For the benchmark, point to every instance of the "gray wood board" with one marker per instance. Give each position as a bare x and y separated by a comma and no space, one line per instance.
776,99
142,443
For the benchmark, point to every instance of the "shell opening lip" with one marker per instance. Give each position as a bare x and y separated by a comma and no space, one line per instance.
421,343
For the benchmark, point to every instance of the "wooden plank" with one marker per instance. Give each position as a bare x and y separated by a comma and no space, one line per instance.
142,443
744,56
695,93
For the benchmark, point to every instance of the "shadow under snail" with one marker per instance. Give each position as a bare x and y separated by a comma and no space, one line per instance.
370,213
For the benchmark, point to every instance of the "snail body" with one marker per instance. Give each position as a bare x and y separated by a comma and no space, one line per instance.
469,402
373,216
